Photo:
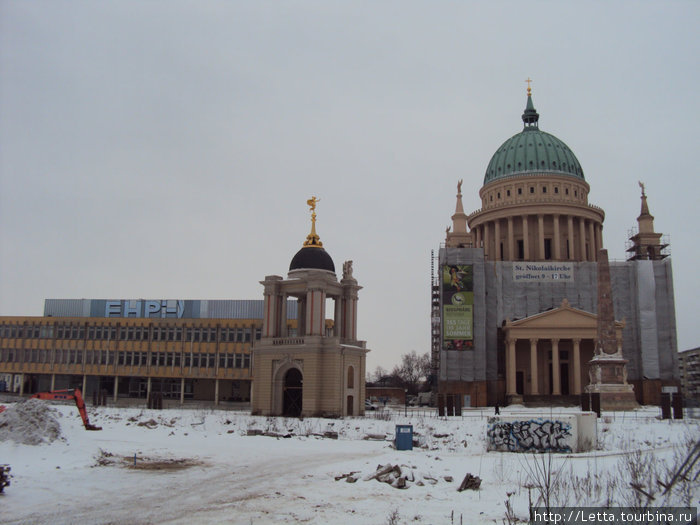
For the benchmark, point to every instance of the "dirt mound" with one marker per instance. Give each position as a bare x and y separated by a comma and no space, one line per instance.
30,422
107,459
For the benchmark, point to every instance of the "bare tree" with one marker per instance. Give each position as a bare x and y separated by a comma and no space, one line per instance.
413,371
379,373
379,377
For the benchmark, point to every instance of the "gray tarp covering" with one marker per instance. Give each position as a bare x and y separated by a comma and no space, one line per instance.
642,295
646,295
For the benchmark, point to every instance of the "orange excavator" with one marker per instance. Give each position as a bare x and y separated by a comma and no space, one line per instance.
74,394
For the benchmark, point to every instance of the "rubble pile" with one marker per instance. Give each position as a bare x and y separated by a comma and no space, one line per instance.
470,482
30,422
404,476
398,476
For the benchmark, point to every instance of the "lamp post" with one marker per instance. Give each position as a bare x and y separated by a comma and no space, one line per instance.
405,401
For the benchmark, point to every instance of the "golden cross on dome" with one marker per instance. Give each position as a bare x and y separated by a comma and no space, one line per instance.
529,89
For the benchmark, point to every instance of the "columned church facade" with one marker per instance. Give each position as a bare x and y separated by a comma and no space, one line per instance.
517,285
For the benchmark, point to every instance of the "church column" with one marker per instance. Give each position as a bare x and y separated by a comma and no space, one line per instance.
557,238
497,240
540,235
268,316
486,240
337,316
582,237
598,239
301,316
283,316
478,236
577,366
511,243
556,379
510,367
315,312
526,240
349,308
354,318
347,316
534,376
591,241
570,229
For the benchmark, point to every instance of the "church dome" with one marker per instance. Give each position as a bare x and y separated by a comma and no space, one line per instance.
312,258
532,151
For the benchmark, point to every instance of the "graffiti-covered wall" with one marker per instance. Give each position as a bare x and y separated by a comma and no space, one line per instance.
561,433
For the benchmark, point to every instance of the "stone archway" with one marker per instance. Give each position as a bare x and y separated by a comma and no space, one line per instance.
292,389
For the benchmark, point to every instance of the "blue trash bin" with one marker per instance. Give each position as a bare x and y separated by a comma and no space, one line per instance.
404,437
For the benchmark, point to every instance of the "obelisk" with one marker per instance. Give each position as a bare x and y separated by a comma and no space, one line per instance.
608,368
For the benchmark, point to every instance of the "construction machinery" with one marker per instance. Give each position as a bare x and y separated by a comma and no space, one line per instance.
74,394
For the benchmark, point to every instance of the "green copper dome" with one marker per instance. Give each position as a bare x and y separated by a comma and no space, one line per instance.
532,151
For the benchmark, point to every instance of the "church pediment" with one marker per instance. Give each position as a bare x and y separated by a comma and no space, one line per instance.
557,318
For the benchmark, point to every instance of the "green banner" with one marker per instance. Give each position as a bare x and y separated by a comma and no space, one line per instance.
457,307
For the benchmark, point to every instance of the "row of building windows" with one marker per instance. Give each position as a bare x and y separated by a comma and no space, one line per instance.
532,191
132,333
105,357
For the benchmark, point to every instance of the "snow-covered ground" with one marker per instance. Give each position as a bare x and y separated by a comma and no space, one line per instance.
202,466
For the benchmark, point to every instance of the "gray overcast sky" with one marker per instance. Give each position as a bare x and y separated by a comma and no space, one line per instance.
166,149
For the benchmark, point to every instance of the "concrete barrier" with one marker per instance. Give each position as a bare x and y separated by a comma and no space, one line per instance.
542,433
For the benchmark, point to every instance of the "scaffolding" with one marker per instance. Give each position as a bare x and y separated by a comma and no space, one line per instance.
434,329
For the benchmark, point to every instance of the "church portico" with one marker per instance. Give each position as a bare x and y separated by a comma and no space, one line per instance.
545,366
547,354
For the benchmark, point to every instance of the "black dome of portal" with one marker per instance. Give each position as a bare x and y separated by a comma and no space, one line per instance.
312,258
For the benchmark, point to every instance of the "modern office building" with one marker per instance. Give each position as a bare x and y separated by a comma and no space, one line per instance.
199,350
689,370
